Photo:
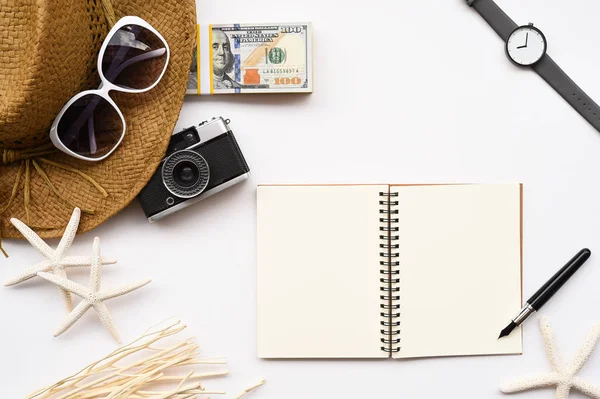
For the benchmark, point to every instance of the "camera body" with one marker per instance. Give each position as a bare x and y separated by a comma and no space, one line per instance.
201,161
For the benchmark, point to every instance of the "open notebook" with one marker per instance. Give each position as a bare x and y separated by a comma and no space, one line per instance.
375,271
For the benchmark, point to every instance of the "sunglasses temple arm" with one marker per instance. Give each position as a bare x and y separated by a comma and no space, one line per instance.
92,135
89,109
138,58
121,52
84,117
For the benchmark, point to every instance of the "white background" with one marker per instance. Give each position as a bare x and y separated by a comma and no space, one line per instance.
405,92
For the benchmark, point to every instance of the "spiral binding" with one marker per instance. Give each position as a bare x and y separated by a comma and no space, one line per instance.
390,280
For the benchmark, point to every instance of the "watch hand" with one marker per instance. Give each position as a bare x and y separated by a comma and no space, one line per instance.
526,40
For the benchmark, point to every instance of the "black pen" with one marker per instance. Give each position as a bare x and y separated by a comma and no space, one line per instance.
542,295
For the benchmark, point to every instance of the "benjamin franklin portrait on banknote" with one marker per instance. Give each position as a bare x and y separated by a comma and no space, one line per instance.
222,61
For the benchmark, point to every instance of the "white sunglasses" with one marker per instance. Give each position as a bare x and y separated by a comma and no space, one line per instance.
133,59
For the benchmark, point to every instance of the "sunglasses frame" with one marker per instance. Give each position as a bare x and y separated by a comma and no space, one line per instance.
106,87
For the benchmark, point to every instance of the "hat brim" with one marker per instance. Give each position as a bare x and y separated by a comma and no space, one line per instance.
150,119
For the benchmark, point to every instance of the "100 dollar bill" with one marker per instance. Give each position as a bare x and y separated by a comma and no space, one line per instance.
252,58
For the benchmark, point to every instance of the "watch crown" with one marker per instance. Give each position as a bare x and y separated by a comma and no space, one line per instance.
530,24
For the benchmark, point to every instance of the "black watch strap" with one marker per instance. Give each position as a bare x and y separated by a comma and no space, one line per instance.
562,83
494,16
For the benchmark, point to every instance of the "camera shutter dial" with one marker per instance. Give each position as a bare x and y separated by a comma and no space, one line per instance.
185,174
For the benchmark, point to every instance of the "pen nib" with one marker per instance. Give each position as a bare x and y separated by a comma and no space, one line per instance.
507,330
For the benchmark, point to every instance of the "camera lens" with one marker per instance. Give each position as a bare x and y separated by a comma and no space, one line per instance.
185,173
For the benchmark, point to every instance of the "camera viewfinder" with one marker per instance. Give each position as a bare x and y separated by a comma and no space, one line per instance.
191,137
183,140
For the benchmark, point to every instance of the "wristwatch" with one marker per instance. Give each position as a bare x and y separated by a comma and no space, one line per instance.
526,47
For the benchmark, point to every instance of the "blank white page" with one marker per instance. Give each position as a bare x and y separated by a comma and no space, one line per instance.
318,272
460,269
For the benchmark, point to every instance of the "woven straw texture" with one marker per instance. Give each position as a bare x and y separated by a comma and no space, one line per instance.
48,53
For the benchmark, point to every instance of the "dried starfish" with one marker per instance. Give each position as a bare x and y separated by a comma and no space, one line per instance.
56,261
562,375
92,297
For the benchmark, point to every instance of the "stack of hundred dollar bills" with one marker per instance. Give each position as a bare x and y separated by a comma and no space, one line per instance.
252,58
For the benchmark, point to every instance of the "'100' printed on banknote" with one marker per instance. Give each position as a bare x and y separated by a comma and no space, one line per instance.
244,58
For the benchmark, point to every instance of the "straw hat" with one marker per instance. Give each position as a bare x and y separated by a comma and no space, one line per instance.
48,53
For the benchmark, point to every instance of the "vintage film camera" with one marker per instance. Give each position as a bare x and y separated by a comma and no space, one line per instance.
200,161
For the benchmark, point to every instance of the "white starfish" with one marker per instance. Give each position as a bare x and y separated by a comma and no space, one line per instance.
56,261
92,297
562,375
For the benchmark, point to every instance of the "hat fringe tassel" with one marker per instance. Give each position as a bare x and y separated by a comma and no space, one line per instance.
10,156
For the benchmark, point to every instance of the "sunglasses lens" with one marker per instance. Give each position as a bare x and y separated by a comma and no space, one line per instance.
134,58
90,127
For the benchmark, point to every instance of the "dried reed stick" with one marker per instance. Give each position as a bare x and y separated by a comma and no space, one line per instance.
142,369
253,387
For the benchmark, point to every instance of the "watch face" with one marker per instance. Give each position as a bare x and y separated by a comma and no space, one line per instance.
526,45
